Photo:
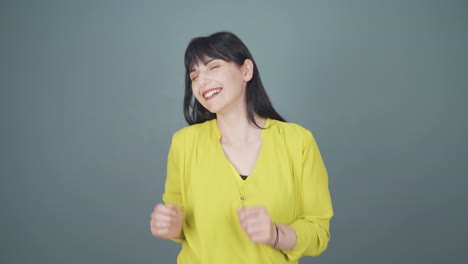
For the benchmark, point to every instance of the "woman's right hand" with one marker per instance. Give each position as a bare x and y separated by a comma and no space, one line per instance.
166,221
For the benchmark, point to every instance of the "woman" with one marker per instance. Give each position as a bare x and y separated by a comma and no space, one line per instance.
242,186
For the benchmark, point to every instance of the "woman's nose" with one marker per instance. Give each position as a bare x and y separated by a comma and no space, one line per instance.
203,79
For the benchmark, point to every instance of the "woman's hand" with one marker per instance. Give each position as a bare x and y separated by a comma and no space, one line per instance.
166,221
257,223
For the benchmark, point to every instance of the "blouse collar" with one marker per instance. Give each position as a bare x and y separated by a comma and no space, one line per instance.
216,134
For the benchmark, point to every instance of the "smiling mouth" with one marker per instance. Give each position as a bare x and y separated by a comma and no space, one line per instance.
210,93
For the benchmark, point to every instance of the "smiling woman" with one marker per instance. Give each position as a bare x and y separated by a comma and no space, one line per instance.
243,185
217,84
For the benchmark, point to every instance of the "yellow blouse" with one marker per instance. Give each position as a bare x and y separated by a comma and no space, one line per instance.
289,179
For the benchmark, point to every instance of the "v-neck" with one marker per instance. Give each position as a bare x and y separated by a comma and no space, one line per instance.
235,173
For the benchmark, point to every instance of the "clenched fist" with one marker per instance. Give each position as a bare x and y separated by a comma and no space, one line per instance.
166,221
257,223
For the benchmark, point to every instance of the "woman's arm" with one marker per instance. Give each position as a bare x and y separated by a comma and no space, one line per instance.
312,223
171,214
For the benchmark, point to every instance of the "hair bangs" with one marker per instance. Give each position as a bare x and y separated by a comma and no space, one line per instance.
200,49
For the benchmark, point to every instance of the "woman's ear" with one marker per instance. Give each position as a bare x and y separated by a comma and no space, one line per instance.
247,70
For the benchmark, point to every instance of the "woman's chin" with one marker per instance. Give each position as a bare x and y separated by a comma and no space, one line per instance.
213,109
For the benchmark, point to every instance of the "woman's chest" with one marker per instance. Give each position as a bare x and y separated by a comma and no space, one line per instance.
214,186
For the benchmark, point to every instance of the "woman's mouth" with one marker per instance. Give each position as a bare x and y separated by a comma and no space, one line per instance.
210,93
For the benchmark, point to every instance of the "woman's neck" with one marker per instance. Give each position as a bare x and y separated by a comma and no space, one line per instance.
237,129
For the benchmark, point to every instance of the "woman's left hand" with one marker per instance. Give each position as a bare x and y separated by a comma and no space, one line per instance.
256,222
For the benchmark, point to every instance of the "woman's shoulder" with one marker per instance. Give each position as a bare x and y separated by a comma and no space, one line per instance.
194,130
294,136
289,129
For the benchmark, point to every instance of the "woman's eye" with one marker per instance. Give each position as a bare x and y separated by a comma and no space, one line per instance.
214,67
194,78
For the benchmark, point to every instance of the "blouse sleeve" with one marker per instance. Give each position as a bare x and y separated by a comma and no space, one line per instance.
314,208
173,186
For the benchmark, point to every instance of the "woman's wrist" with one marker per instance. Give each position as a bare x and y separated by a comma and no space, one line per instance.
284,237
275,243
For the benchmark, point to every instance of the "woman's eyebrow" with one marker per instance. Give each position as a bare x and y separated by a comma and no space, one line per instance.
204,63
208,61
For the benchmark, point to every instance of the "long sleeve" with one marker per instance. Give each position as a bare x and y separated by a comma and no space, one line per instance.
172,192
173,185
314,208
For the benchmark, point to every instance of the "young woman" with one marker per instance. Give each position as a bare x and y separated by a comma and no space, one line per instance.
243,185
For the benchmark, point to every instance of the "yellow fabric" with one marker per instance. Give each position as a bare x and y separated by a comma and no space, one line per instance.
289,180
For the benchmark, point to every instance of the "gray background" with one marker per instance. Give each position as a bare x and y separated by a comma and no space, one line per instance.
91,93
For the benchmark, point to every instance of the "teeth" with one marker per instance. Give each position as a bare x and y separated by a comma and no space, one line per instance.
211,93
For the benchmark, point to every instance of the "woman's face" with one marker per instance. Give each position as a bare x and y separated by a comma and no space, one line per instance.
219,85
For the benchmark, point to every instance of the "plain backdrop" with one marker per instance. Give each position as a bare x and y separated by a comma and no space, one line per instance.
91,92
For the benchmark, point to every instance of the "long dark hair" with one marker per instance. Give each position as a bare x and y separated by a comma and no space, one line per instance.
228,47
